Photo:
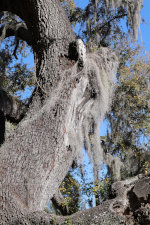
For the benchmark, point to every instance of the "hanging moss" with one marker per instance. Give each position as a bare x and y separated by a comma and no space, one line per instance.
89,102
133,9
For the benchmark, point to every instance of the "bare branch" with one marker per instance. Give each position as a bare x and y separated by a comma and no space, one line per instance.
101,26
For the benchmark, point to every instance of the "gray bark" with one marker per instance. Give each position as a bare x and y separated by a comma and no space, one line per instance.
35,158
130,206
30,160
12,108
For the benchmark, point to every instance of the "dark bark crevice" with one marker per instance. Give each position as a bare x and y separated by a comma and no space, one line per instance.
2,127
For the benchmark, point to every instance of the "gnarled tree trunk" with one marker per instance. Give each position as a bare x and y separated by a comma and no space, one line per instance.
35,159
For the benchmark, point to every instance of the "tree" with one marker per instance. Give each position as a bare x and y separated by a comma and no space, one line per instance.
66,200
35,159
100,25
14,76
128,133
101,21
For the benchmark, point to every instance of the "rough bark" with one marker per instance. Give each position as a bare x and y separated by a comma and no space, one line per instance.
130,206
30,160
36,157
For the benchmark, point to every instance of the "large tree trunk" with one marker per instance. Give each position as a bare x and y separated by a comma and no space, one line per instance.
35,159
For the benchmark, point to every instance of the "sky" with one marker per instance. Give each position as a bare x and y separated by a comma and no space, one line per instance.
145,28
145,13
145,34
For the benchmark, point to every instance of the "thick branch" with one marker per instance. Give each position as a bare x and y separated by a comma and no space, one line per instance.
13,109
130,206
19,30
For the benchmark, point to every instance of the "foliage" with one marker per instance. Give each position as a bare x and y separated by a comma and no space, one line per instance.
68,221
100,25
54,221
70,190
101,190
69,7
128,134
15,74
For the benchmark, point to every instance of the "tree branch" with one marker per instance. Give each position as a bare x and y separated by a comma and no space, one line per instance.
19,30
99,27
13,109
108,24
14,6
57,201
131,204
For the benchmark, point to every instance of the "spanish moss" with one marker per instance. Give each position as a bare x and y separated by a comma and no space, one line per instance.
89,102
133,9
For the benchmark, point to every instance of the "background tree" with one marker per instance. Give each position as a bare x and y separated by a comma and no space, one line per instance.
128,130
101,25
15,74
131,156
70,190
